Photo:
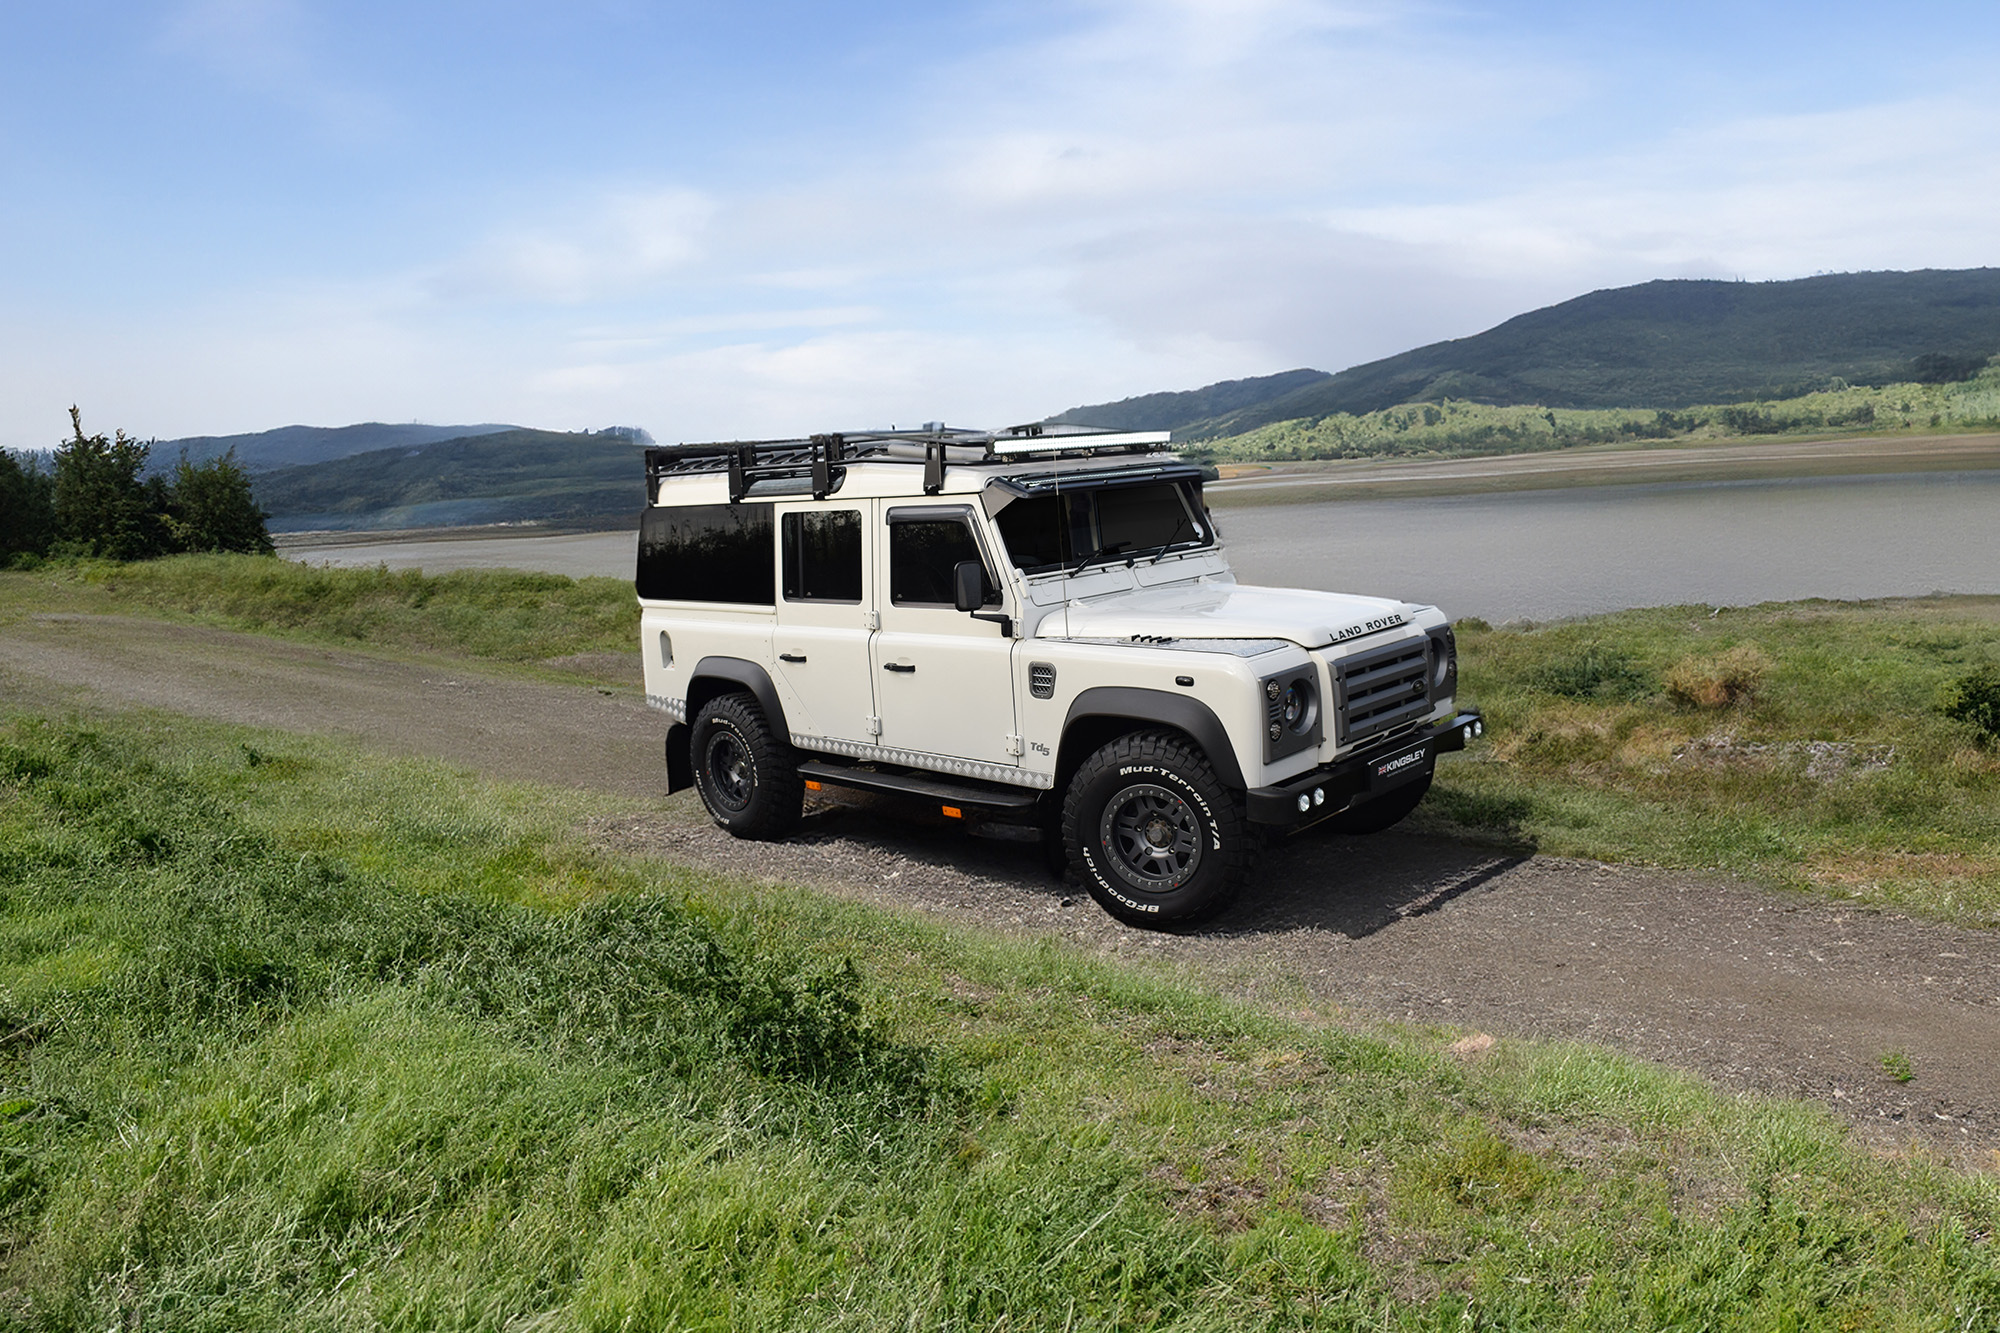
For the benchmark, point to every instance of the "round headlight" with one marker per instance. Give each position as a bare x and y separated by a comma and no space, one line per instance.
1298,706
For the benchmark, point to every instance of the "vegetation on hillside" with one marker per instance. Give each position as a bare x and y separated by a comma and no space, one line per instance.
1848,748
304,1039
510,476
1459,428
96,501
1172,411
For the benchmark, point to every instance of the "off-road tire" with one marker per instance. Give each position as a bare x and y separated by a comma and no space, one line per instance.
747,777
1153,834
1385,811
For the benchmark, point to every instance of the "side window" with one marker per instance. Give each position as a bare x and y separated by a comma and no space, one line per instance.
823,556
923,552
707,553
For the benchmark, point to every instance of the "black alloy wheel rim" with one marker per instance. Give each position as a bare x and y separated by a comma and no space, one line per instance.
1152,837
732,773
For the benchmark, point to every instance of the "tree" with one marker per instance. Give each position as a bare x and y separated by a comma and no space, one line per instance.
210,508
102,507
27,508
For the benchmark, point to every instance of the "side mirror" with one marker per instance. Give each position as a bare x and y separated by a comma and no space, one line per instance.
968,585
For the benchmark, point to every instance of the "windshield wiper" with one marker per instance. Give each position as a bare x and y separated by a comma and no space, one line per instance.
1098,554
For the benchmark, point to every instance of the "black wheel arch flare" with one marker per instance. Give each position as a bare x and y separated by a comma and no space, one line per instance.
1104,712
713,676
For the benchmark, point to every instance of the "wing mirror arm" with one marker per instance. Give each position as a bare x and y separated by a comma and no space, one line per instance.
970,589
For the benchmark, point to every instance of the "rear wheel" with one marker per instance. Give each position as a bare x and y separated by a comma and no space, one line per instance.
1152,832
1385,811
747,777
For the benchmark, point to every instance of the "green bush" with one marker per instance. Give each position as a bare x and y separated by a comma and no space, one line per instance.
1975,698
1595,671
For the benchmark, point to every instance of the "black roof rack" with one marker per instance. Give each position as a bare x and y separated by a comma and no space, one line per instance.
821,459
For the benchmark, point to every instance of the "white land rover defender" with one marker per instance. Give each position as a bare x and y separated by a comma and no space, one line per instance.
1036,625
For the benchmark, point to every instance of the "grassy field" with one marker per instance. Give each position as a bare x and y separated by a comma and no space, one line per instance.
1809,743
496,614
299,1037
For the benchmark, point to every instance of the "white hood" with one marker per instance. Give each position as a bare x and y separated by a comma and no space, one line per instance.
1230,611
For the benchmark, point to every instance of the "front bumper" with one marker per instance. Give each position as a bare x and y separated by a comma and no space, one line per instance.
1332,788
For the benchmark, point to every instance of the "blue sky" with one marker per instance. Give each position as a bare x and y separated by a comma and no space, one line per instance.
761,218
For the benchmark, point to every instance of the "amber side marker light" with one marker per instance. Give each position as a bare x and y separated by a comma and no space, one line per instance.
811,785
953,812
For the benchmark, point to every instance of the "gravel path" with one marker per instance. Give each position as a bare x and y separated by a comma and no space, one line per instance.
1759,991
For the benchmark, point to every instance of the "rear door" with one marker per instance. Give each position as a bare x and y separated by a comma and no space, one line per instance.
943,681
826,596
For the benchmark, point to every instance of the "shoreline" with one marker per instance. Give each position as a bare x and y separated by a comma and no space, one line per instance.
1246,484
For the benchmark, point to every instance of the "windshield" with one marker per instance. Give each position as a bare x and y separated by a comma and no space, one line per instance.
1055,531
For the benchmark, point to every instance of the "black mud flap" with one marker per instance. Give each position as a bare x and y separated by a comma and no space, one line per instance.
680,765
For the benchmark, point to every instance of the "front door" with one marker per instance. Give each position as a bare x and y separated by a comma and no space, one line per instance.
825,581
944,682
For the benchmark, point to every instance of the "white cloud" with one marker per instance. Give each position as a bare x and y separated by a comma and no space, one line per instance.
604,247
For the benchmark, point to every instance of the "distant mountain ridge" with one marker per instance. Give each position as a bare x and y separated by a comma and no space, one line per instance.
1666,344
508,476
290,446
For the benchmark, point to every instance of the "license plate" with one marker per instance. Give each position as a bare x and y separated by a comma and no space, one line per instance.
1399,766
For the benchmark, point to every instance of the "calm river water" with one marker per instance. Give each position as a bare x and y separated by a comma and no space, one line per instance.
1537,555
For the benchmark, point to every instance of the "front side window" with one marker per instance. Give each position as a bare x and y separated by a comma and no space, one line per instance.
1045,532
707,553
823,556
923,552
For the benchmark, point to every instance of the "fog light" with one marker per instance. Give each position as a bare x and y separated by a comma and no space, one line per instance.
1319,796
1305,802
1479,728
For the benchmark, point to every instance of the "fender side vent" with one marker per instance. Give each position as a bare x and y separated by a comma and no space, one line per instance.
1042,679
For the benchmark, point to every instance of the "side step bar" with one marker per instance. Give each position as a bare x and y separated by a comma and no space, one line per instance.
954,796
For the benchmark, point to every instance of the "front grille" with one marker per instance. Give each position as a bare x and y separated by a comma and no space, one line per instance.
1042,679
1382,690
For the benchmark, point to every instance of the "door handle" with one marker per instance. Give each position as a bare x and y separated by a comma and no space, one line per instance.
905,667
791,657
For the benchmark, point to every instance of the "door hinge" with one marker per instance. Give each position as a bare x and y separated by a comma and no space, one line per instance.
1014,745
871,620
874,726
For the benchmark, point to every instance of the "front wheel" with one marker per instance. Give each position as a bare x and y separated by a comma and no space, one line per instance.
747,777
1152,832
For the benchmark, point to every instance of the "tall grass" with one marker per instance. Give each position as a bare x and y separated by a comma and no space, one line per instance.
302,1039
504,614
1818,743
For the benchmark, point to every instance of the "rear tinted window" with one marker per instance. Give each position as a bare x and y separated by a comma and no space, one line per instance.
707,553
823,556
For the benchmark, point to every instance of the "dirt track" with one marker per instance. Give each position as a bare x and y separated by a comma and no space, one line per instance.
1757,990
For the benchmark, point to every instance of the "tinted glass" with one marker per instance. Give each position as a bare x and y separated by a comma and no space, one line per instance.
707,553
1049,531
922,555
823,556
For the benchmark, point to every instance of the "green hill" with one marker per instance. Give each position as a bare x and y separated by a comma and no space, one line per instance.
513,476
290,446
1667,344
1171,411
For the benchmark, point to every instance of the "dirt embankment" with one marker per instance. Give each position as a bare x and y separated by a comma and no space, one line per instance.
1757,990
